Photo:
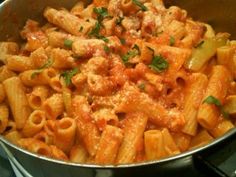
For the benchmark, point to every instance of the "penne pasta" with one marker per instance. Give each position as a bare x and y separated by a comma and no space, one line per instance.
4,118
17,100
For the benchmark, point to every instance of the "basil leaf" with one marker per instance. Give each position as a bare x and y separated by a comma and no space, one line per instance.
68,43
67,75
159,64
172,41
212,100
139,4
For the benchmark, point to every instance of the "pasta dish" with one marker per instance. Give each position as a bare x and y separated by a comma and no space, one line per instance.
117,82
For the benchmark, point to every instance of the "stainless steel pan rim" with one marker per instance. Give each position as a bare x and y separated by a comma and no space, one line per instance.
168,159
155,162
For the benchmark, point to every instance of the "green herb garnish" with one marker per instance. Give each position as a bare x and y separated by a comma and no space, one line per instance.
216,102
67,75
141,86
68,43
139,4
119,20
101,12
159,64
40,69
130,54
172,41
107,49
81,29
95,32
122,41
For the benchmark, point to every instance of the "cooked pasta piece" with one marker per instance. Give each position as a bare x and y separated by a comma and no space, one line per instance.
6,49
53,106
57,153
222,127
192,102
2,93
17,101
133,133
4,116
5,73
13,136
34,123
109,144
19,63
208,114
65,131
78,154
44,137
202,138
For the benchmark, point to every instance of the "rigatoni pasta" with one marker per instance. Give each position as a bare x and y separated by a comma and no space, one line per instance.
117,82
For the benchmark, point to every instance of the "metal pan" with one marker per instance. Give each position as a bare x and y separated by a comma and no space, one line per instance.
13,14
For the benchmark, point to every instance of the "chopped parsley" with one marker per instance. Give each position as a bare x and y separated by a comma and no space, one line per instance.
67,75
107,49
122,41
68,43
140,5
81,29
101,12
130,54
216,102
39,70
119,20
172,41
159,64
96,32
141,86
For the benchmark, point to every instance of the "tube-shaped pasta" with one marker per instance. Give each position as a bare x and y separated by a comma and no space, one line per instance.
222,127
19,63
53,106
34,123
57,39
203,53
135,101
44,137
105,117
38,96
78,154
5,73
192,102
182,141
39,57
154,144
35,146
56,83
62,59
230,104
86,47
4,114
67,94
176,29
109,145
17,101
2,93
7,48
202,138
77,8
225,56
67,21
49,127
58,153
37,77
169,143
87,131
13,136
65,131
218,85
133,134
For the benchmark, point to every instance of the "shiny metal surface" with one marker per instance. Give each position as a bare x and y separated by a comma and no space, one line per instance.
13,14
